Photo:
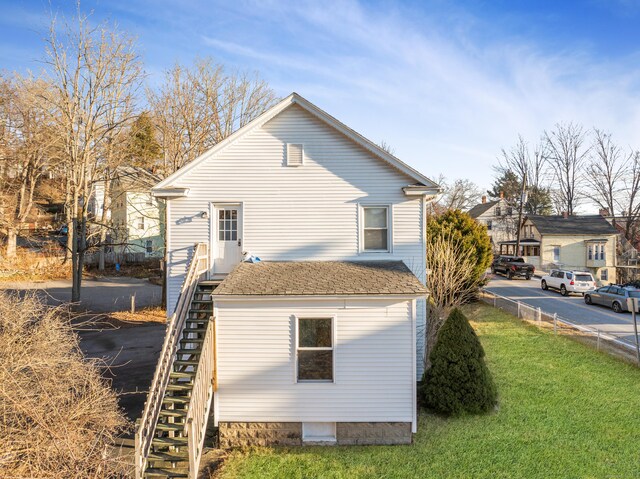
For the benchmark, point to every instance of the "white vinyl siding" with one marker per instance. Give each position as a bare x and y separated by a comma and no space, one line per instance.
308,213
256,348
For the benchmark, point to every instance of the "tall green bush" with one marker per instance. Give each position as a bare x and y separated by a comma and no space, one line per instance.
458,380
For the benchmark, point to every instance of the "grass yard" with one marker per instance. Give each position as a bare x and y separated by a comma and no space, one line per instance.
565,412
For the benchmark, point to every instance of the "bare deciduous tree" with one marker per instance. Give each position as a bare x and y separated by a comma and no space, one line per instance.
566,153
196,108
28,146
462,194
605,173
92,70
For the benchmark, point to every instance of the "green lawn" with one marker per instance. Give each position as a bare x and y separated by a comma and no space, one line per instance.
565,412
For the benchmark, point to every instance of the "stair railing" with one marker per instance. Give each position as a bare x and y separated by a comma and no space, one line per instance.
200,402
144,435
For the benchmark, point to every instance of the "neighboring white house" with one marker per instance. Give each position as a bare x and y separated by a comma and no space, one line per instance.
137,217
499,217
323,340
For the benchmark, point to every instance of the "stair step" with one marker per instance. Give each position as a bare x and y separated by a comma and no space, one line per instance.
169,457
175,413
186,362
169,427
169,441
182,374
201,301
200,311
179,387
165,472
176,400
194,330
193,340
189,352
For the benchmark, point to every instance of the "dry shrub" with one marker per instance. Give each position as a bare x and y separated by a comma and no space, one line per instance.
58,417
29,265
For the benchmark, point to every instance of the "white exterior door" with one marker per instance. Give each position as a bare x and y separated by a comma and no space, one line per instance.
227,237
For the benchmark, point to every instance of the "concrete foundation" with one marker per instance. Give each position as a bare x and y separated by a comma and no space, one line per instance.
243,434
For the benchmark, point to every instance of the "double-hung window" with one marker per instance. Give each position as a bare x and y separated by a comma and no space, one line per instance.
315,349
376,228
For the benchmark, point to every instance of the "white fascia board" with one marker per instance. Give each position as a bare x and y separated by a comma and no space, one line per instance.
337,297
426,191
169,192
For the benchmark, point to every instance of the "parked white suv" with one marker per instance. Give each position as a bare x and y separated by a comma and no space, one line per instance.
568,281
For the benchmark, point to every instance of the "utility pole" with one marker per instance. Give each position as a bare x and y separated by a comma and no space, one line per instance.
522,200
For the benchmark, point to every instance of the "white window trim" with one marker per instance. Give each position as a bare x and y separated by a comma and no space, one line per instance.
553,253
361,208
334,344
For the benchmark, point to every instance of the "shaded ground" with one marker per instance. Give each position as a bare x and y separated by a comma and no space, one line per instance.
131,351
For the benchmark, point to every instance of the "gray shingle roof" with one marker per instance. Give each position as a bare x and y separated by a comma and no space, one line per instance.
479,209
573,225
318,278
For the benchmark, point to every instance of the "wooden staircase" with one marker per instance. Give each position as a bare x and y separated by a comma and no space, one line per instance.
170,434
169,455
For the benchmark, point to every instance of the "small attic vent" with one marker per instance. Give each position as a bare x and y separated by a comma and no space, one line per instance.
294,154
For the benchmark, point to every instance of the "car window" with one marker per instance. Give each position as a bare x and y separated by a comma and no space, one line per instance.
518,260
583,277
569,276
634,294
555,274
560,274
616,290
604,289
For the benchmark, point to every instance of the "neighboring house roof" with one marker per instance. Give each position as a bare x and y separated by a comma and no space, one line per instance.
480,209
573,225
321,278
295,99
133,178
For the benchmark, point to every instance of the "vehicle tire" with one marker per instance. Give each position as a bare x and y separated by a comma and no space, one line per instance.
587,299
563,290
510,275
616,307
543,285
527,277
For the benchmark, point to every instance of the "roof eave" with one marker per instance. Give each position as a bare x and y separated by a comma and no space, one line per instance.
170,192
245,297
428,192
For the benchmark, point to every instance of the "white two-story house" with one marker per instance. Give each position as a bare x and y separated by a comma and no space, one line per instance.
500,218
321,340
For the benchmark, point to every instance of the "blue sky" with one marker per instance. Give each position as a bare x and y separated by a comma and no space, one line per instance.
446,84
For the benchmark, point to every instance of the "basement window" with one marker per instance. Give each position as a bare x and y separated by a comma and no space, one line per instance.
315,349
319,432
295,154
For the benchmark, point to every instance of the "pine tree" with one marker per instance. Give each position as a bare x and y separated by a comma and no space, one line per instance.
458,380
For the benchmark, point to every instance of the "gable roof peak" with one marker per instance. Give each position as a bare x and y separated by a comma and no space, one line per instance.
297,99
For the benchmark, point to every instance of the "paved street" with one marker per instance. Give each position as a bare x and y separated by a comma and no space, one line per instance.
572,307
98,295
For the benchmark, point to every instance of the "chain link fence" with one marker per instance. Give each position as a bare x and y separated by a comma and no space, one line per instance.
615,344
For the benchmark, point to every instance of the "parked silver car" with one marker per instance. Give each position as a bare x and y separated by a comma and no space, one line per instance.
612,296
